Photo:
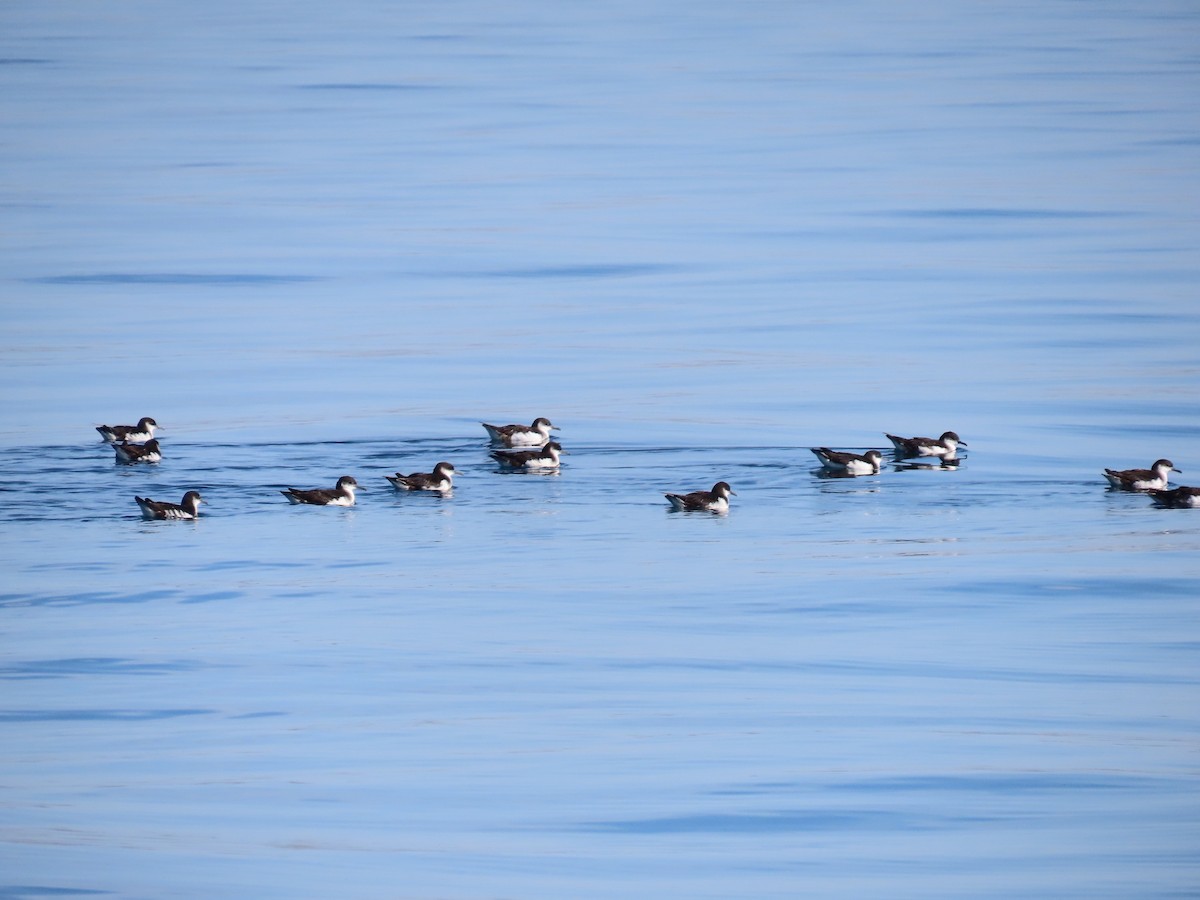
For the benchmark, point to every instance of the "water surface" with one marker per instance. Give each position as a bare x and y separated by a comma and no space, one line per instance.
701,239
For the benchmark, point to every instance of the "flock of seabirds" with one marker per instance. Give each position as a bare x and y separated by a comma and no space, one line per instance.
529,448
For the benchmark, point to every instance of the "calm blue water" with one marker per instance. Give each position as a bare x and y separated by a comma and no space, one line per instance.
702,238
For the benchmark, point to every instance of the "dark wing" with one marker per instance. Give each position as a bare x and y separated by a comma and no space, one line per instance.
319,496
1129,476
696,499
158,509
515,460
500,432
835,456
148,505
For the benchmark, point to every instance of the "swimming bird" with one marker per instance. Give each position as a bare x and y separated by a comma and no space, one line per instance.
534,435
944,446
546,458
341,495
189,508
440,479
135,434
849,463
1152,479
1179,498
716,500
148,452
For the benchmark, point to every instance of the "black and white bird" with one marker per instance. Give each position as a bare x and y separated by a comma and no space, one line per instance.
148,452
140,433
716,500
546,458
1152,479
341,495
849,463
534,435
945,446
1179,498
188,508
440,479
